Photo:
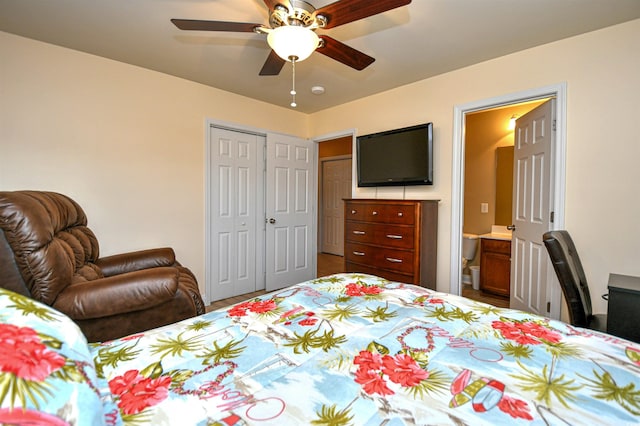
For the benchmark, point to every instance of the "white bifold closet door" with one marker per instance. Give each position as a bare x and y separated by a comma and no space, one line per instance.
261,212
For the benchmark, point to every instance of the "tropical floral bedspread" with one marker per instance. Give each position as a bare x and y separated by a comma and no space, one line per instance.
341,350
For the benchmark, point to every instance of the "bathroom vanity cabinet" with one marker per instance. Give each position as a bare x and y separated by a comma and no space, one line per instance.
495,266
393,239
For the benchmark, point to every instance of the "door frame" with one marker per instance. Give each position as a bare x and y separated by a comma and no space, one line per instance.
325,138
559,91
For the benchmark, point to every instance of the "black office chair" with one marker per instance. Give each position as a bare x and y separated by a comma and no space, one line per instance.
568,267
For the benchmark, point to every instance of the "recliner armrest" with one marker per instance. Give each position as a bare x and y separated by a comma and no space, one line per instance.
119,294
136,261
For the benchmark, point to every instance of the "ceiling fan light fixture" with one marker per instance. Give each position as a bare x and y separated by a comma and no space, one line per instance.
291,41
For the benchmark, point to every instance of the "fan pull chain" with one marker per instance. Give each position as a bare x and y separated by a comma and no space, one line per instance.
293,83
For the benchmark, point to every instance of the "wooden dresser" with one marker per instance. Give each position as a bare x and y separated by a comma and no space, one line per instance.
394,239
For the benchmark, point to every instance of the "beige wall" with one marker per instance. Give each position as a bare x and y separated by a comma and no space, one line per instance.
602,175
128,143
125,142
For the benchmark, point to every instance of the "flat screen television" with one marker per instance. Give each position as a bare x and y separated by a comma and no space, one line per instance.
396,157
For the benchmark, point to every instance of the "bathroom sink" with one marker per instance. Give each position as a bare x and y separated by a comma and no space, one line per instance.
498,232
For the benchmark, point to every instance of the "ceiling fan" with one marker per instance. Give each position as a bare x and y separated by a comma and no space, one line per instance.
291,31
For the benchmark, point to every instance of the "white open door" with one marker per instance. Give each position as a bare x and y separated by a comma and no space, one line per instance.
336,186
290,194
534,140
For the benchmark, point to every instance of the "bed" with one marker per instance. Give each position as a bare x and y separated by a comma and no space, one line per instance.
347,349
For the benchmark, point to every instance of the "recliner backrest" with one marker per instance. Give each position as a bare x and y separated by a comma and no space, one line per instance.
51,244
571,276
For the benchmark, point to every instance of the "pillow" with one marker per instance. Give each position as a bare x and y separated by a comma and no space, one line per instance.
47,375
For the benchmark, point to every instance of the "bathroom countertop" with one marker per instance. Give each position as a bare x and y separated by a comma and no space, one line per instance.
496,236
498,233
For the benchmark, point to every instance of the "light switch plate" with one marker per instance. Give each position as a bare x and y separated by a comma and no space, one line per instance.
484,207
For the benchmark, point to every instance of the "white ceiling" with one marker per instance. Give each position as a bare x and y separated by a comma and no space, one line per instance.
411,43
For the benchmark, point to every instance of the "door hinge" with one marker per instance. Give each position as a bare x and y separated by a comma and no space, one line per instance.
552,216
548,307
553,125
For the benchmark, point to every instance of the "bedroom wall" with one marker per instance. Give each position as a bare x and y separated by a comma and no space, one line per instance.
602,175
125,142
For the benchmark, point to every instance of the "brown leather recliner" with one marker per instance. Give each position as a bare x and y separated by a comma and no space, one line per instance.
48,253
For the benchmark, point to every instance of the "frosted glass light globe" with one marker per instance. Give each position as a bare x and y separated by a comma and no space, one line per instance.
293,41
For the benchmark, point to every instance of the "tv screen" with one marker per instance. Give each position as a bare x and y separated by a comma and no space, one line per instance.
396,157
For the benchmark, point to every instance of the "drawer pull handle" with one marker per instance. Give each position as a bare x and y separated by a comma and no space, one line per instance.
375,213
400,214
392,260
353,212
359,232
358,253
394,237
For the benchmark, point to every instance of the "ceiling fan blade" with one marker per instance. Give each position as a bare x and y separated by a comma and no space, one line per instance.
197,25
343,53
273,65
345,11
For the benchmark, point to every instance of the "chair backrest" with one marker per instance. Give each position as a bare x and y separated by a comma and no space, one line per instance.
573,282
51,246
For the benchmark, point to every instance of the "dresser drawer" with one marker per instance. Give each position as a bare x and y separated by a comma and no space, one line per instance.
384,235
380,257
381,213
389,275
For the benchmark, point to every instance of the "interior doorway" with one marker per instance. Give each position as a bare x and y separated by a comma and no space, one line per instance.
458,174
488,187
334,185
